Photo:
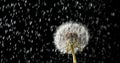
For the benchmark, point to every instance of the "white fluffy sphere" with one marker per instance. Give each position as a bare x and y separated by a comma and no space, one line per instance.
71,33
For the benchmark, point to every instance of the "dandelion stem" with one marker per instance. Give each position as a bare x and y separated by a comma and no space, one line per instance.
73,54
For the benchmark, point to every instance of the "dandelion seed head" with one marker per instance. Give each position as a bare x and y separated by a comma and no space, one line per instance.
74,33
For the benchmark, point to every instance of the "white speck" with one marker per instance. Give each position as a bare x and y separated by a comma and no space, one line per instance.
30,49
113,14
108,33
3,44
41,50
79,7
51,28
28,10
6,31
27,51
49,19
77,2
38,34
3,37
30,22
40,20
91,4
28,61
0,19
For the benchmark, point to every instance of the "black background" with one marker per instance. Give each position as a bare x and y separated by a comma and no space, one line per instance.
27,28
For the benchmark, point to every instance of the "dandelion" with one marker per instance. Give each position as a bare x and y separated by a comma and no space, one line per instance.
71,38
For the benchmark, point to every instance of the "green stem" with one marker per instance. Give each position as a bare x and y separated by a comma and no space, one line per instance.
72,51
73,54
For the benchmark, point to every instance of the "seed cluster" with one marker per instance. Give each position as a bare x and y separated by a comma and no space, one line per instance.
71,34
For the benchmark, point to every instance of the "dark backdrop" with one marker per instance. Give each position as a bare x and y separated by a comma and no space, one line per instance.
27,27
